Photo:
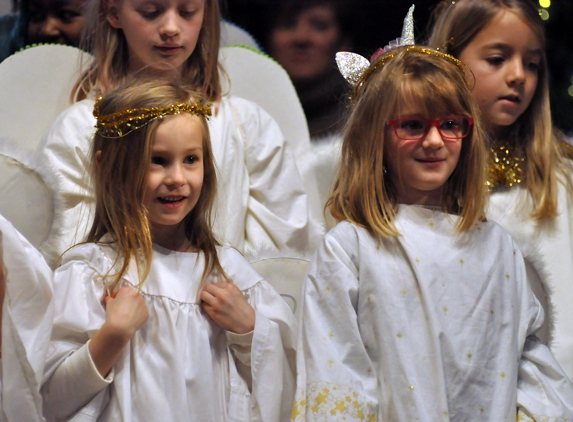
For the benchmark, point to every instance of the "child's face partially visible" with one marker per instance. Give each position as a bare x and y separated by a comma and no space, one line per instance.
419,168
161,34
55,21
504,57
175,175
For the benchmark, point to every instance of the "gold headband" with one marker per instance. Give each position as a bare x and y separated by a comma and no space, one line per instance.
356,69
122,123
425,50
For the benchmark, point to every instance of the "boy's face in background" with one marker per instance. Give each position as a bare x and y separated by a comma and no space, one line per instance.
56,21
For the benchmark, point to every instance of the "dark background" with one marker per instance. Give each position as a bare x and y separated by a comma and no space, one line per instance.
379,21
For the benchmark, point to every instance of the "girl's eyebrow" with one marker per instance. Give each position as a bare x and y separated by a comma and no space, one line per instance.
536,51
155,150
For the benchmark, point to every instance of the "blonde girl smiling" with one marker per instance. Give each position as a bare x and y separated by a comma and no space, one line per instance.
155,320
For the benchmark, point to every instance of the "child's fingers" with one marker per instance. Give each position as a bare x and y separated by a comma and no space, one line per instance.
215,289
126,312
228,307
108,298
208,298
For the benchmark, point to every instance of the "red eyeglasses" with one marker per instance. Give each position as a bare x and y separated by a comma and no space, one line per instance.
451,128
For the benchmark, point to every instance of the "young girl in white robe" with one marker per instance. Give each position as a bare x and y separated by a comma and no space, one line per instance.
154,320
503,43
415,307
262,200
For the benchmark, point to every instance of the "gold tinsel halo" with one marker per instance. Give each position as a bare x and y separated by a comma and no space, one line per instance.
122,123
505,167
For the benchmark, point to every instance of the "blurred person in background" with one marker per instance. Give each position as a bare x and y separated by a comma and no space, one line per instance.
304,36
42,21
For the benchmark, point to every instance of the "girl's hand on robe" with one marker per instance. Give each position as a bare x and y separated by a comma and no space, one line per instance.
227,306
125,312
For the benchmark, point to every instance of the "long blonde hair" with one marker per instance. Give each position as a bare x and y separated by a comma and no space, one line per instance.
119,178
363,192
108,46
457,24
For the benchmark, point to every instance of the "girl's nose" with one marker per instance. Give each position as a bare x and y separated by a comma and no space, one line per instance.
174,176
433,139
170,24
301,32
516,72
50,30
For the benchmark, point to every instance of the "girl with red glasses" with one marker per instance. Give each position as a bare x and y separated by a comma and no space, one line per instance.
415,306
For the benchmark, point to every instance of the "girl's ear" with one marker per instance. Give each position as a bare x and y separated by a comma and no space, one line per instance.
111,13
98,157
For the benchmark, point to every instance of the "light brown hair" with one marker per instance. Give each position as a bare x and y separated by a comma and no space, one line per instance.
108,46
120,173
533,135
363,192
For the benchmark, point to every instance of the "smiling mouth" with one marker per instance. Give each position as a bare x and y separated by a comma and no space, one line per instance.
171,199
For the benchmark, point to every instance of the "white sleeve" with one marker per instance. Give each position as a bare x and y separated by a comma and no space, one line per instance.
334,371
273,355
74,383
26,325
66,148
278,211
241,345
70,379
544,392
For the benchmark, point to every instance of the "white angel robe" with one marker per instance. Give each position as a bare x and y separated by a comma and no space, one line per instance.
26,326
428,326
180,365
261,200
548,247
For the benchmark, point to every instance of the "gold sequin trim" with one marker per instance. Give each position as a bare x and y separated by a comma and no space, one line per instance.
122,123
505,168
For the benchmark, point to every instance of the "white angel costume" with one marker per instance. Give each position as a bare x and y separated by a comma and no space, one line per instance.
261,201
26,326
548,247
180,365
427,326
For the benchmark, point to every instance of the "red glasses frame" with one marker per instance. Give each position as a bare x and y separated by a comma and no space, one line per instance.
428,123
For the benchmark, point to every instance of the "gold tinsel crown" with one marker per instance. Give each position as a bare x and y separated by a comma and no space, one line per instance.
122,123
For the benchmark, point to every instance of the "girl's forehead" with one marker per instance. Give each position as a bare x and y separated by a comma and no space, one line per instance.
416,99
511,28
